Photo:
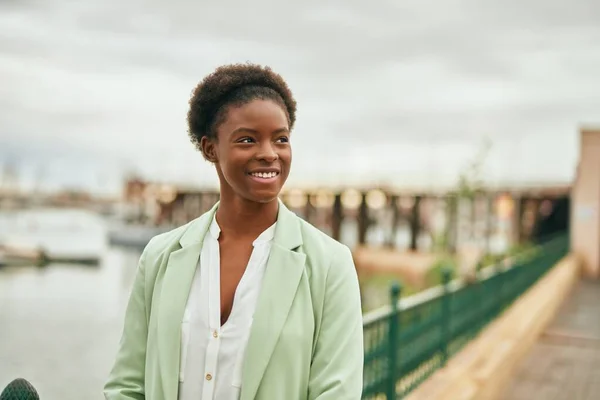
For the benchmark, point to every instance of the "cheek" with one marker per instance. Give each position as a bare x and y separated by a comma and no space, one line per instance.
232,168
286,155
288,161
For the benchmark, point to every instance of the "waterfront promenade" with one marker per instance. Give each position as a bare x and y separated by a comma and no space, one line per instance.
565,362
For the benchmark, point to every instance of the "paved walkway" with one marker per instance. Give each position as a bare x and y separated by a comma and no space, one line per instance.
565,363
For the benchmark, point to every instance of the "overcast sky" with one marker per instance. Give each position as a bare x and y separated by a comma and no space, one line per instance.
402,92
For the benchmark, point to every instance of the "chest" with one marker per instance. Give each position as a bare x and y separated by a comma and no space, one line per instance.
234,261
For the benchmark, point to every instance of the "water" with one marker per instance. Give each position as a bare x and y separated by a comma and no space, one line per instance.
60,232
60,324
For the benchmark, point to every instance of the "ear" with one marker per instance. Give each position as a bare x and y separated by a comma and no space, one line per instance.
208,146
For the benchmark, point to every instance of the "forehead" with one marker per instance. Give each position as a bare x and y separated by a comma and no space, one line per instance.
256,114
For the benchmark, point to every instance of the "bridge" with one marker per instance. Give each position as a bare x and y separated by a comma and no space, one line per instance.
12,200
528,211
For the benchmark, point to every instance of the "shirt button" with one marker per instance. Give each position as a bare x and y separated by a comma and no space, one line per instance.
215,334
208,377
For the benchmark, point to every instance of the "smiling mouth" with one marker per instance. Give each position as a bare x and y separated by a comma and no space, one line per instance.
264,175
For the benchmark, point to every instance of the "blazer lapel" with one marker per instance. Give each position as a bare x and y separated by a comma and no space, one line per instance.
177,282
280,282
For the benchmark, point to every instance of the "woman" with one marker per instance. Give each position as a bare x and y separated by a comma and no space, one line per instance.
248,301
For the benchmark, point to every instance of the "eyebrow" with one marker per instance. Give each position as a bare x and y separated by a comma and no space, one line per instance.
249,130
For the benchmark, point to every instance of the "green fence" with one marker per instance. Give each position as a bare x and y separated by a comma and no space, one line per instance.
407,341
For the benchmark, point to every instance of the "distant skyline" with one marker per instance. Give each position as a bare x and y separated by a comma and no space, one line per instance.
400,93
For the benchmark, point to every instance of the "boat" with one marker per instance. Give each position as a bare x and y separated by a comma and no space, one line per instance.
45,236
21,255
11,255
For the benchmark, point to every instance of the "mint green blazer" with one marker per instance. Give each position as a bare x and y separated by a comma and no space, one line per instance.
306,341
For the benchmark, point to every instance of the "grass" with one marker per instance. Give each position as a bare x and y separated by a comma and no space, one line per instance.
375,287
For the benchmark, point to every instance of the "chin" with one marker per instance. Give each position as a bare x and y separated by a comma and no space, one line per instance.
263,196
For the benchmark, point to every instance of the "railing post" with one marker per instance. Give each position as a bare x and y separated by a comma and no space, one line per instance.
393,333
500,276
445,317
482,316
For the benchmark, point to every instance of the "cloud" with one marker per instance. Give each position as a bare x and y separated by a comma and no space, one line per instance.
395,92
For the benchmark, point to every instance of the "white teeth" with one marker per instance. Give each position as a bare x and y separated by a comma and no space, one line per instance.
265,175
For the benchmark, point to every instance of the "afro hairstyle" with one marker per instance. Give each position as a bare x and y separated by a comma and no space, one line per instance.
234,85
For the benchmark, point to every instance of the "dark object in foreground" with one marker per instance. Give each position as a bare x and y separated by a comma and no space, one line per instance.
19,389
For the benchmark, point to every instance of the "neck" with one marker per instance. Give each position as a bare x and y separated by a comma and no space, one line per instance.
241,218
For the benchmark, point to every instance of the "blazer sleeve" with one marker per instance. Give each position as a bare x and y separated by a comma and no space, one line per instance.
126,379
336,371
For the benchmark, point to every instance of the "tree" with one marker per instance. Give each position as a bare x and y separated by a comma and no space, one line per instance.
470,179
470,184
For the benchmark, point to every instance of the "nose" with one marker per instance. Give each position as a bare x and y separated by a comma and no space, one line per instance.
267,153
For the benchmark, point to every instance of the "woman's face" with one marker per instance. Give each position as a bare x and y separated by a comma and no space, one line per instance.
252,154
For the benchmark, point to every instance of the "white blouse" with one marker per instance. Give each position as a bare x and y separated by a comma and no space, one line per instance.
211,354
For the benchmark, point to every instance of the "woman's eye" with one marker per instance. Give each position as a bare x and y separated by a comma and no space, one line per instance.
283,139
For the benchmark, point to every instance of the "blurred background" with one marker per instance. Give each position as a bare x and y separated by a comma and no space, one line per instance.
431,137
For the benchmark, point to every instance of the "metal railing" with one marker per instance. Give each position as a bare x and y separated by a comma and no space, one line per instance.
408,340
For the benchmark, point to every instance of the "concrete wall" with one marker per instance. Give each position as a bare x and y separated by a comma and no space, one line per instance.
484,367
585,204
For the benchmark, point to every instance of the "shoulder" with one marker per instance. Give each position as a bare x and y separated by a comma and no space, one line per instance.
325,254
319,242
332,277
